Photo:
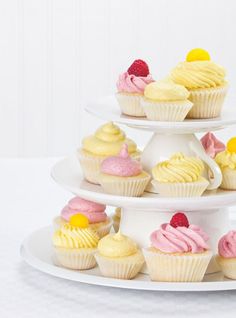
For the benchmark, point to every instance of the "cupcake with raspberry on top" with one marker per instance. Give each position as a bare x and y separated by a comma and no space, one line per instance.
130,87
179,251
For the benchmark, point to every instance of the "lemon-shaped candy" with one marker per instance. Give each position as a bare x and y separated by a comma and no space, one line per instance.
79,220
198,55
231,145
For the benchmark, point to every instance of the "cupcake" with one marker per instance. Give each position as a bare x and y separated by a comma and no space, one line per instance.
95,212
212,145
116,219
106,142
122,175
75,244
166,101
227,163
227,254
180,176
179,252
119,257
130,87
205,81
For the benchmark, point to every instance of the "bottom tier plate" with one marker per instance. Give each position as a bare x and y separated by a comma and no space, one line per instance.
37,251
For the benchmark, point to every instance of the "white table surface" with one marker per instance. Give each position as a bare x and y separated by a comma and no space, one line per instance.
29,200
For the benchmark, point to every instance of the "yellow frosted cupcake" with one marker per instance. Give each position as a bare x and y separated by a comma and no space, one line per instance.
75,244
166,101
227,254
119,257
205,81
180,176
179,252
106,142
116,219
227,163
122,175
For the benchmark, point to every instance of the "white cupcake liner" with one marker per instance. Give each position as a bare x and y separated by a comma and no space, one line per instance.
122,268
188,189
91,164
228,266
207,103
176,267
130,104
72,258
166,111
124,186
229,179
101,228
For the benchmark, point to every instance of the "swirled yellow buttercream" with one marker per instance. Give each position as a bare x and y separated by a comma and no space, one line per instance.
107,141
165,90
199,74
179,168
226,159
74,237
116,245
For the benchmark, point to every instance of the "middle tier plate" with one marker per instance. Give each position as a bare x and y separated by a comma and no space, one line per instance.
107,108
68,174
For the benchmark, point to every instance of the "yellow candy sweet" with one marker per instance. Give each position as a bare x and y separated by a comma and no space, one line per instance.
79,220
198,55
231,145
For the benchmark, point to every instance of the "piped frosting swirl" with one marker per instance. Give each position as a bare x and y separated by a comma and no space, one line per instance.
179,168
180,239
199,74
107,141
227,245
132,84
117,245
122,165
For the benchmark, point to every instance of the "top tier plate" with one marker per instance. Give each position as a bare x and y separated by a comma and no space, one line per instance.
107,108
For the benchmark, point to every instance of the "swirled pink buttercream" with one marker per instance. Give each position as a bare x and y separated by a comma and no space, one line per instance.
122,165
227,245
212,145
95,212
180,239
132,84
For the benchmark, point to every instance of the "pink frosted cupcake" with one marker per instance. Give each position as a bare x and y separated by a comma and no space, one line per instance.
179,252
130,87
123,175
227,254
212,145
95,212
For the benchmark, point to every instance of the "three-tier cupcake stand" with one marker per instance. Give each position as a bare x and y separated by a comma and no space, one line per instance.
140,216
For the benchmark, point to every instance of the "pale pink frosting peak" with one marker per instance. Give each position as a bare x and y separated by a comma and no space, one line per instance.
180,239
95,212
132,84
227,245
122,165
212,145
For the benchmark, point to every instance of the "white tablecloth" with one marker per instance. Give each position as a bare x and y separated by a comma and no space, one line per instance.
29,200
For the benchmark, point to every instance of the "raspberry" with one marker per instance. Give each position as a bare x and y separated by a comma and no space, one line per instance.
179,219
138,68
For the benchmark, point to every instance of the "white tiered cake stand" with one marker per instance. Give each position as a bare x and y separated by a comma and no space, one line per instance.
140,216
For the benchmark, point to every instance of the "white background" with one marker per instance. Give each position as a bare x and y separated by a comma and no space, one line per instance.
57,54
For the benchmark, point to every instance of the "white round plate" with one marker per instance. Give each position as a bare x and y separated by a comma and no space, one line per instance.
107,108
37,251
68,174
